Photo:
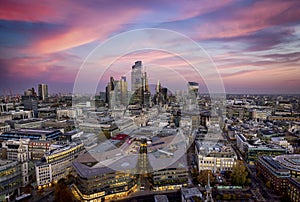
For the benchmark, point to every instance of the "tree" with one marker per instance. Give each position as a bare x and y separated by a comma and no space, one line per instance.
248,181
203,177
194,172
239,174
268,184
62,192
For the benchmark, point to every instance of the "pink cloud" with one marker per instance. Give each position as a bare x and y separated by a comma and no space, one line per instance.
79,22
31,11
263,76
84,31
50,67
244,21
197,8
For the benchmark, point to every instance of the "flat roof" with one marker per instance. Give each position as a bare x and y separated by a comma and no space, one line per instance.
290,161
106,155
189,192
275,164
60,148
163,142
31,131
24,121
213,147
5,162
3,124
122,164
161,198
177,160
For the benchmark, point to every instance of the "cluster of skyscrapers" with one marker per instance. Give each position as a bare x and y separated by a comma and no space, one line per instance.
117,93
147,139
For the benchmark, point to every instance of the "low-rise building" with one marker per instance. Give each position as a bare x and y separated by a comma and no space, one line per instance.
173,176
5,117
10,178
4,127
105,129
291,162
47,112
105,181
64,125
253,148
5,107
28,123
191,194
32,134
284,118
282,172
282,142
215,157
68,113
17,150
161,198
17,114
167,161
56,164
38,148
273,173
293,190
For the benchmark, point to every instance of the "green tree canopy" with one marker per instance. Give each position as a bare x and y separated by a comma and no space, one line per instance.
203,177
239,174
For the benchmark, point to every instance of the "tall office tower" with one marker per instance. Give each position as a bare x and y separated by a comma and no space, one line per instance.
139,86
145,83
158,87
110,87
123,86
158,97
31,92
146,92
30,102
117,92
43,91
109,91
164,93
193,88
136,76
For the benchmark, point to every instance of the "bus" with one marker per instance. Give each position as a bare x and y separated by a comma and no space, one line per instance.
23,196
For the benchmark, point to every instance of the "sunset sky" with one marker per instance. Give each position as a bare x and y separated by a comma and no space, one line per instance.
255,45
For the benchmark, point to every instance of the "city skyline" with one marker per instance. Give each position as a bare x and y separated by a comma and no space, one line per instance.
254,45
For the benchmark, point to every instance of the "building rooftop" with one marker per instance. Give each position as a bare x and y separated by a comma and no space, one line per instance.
161,198
164,142
61,148
257,144
3,124
86,158
32,131
296,181
190,192
122,164
5,162
213,148
289,161
275,164
178,160
24,121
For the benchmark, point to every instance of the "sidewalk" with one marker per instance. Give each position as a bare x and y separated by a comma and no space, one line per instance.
40,196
